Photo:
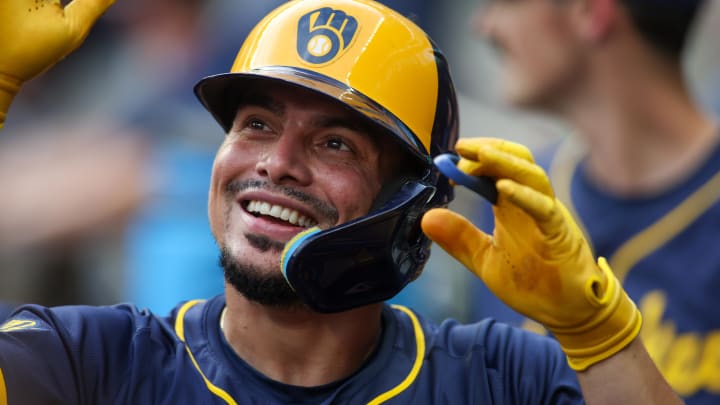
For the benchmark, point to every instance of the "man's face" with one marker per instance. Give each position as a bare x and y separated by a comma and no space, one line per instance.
292,160
538,47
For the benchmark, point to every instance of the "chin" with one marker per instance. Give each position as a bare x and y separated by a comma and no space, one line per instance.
520,90
519,95
260,283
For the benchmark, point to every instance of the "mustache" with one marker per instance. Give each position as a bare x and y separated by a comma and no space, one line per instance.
324,209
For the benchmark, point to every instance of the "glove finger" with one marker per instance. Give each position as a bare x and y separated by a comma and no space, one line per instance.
82,14
536,204
468,147
501,165
550,215
455,234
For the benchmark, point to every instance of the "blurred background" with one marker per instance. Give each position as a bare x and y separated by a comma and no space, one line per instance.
105,161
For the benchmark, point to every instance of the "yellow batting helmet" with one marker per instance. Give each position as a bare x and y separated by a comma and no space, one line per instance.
379,63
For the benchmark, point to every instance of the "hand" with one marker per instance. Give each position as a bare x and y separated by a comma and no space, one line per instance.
537,260
36,34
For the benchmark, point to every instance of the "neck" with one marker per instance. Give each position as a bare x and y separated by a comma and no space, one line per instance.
300,347
643,130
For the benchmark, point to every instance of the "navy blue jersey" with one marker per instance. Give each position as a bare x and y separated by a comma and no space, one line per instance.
121,355
665,249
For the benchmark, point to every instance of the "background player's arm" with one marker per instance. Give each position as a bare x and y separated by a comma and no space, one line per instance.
537,262
36,34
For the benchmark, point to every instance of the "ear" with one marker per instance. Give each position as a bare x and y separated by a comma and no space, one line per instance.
595,19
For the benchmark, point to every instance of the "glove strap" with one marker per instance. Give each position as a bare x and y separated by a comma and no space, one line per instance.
9,86
616,324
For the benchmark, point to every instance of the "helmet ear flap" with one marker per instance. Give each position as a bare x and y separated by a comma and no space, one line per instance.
363,261
402,172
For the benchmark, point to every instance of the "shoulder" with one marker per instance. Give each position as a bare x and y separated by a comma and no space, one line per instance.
61,352
497,342
460,338
79,319
106,353
85,332
489,359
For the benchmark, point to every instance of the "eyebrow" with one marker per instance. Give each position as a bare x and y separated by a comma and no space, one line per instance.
262,101
277,107
341,122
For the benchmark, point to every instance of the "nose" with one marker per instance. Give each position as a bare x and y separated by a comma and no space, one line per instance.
285,161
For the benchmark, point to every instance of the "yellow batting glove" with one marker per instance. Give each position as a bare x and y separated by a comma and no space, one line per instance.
537,260
36,34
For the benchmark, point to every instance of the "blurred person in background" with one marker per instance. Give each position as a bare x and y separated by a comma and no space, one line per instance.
641,171
113,217
65,189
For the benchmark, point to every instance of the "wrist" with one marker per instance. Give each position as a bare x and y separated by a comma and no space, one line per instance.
614,326
9,87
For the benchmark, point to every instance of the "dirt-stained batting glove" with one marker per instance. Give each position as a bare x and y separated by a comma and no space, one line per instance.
537,260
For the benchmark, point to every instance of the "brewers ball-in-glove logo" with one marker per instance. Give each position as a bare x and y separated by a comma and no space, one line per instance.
323,34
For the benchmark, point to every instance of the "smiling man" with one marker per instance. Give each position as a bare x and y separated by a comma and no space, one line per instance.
291,161
323,200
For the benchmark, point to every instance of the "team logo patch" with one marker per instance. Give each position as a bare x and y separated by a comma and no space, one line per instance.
323,34
15,325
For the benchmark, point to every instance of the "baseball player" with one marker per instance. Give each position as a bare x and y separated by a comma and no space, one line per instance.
641,172
323,201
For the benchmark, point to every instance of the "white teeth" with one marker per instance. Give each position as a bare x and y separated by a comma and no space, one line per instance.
280,212
276,211
265,208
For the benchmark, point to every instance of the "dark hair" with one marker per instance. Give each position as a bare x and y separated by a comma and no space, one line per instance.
665,24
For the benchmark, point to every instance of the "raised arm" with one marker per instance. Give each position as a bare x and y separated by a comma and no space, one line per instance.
538,262
36,34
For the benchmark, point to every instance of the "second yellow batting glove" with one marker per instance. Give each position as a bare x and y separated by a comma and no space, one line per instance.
537,260
36,34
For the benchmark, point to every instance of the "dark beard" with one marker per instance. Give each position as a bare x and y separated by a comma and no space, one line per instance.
265,289
251,281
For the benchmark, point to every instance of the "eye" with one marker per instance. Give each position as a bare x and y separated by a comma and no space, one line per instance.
338,144
256,124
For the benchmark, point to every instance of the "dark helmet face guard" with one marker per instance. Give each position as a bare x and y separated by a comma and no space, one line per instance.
371,258
363,261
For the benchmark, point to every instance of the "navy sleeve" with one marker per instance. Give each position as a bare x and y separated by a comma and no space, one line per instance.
504,365
70,355
36,365
528,368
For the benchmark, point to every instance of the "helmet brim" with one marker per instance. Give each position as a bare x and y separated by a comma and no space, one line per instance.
220,94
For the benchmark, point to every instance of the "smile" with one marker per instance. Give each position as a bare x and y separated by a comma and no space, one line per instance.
279,212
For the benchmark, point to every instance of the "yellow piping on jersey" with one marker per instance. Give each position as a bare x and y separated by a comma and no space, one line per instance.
562,168
419,356
180,331
3,391
652,237
666,228
395,391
